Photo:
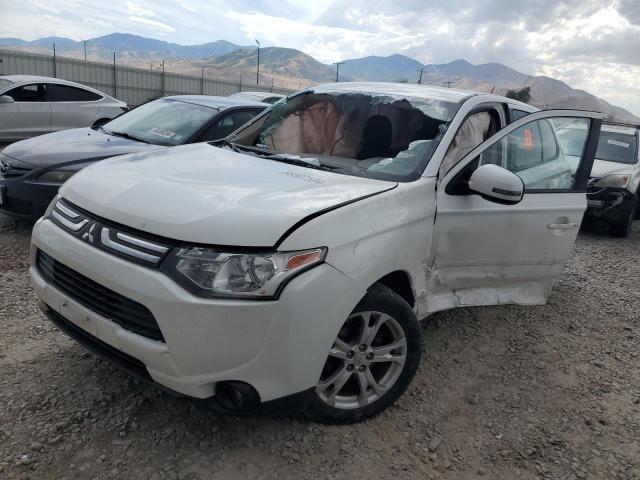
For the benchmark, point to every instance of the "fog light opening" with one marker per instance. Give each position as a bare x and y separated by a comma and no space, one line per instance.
237,396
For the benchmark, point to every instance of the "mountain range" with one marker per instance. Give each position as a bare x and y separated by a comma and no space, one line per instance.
291,68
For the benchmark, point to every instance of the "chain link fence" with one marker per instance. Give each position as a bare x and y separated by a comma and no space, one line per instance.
129,84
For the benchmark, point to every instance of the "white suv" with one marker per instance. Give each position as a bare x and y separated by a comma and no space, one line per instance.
291,262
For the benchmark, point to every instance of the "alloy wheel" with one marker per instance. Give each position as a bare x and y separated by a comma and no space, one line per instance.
365,361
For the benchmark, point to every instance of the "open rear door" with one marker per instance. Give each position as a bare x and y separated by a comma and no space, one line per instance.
491,253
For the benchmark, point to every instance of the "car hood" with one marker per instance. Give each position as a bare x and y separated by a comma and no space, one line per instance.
204,194
73,146
602,168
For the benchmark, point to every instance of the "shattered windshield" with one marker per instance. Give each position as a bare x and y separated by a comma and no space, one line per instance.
364,134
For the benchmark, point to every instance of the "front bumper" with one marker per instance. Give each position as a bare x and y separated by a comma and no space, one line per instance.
609,203
26,199
278,347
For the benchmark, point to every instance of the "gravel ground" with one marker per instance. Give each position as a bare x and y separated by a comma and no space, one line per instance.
506,392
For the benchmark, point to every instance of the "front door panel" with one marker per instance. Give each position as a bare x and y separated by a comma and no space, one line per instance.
489,253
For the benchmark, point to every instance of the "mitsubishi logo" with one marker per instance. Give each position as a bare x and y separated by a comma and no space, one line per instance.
4,167
89,236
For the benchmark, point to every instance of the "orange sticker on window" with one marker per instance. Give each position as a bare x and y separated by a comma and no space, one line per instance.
528,139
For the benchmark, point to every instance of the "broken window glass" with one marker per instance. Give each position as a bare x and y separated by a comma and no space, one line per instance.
386,136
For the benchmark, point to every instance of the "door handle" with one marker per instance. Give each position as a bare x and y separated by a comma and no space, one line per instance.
562,226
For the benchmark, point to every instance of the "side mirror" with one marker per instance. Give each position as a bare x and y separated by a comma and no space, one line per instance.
497,184
100,122
6,99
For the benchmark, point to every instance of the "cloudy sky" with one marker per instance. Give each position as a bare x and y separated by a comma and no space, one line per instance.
591,44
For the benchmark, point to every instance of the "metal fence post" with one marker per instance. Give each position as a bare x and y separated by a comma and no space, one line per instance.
54,61
163,77
115,83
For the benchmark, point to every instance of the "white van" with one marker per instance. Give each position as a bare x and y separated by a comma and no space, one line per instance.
290,263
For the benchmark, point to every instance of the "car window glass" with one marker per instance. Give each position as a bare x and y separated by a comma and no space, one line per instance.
517,114
617,147
163,122
228,124
67,93
476,128
533,153
28,93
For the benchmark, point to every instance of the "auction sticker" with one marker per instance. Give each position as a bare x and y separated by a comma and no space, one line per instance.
619,144
162,132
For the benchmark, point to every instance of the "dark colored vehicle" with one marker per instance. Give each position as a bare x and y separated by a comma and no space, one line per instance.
613,192
31,171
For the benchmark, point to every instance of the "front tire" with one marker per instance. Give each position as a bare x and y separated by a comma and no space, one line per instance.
622,228
372,361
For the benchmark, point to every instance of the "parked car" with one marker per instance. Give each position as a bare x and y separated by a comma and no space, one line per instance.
31,106
265,97
614,184
31,171
290,264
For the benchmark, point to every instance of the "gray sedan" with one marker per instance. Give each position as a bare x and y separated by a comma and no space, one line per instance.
31,106
31,171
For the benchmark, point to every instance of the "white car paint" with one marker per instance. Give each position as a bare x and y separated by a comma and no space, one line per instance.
456,250
25,119
602,168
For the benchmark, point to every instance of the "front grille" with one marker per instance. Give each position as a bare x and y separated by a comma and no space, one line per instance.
109,237
119,358
127,313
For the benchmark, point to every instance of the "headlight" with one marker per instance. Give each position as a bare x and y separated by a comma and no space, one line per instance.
612,181
209,272
55,176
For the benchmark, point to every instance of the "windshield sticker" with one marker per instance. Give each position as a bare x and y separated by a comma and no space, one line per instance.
161,132
619,144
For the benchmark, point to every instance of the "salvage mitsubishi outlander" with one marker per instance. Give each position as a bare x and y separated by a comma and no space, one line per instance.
290,263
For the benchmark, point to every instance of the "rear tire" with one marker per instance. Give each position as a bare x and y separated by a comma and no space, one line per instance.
372,361
622,228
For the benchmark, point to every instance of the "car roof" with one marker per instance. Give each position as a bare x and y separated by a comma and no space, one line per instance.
257,94
403,89
18,79
211,101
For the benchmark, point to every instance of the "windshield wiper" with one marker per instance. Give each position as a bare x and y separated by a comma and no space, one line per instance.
126,135
278,157
284,158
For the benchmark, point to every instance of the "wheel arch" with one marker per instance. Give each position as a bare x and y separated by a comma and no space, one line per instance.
400,282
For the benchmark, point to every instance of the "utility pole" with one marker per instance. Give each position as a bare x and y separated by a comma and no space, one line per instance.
258,69
84,45
202,82
115,86
421,70
337,64
54,61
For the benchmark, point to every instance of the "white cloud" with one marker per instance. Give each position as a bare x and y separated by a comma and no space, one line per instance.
592,44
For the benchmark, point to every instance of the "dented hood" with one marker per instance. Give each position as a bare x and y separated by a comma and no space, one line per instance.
204,194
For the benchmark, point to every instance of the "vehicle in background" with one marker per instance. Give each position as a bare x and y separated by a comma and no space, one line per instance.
614,184
265,97
293,263
31,171
31,106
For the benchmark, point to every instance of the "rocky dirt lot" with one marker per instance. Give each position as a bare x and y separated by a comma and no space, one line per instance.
502,393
